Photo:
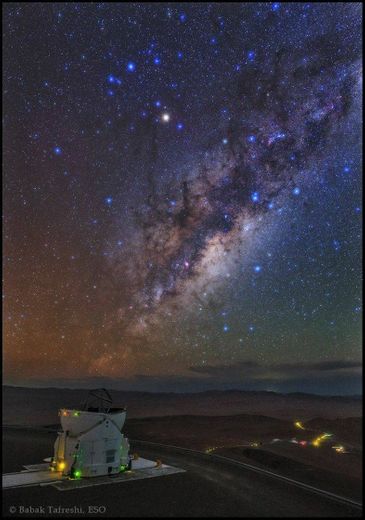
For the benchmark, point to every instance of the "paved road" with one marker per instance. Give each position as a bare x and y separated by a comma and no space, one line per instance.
260,492
211,487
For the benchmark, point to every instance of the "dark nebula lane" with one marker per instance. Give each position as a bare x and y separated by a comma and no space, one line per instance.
291,111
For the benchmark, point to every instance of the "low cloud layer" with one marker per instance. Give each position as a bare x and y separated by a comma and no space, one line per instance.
283,369
339,377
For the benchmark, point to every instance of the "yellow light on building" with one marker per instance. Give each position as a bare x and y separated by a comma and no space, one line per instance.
317,441
299,425
61,466
339,449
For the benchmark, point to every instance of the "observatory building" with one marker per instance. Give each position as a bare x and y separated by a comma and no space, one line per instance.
91,443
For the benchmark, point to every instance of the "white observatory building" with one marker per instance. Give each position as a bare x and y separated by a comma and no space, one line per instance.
91,443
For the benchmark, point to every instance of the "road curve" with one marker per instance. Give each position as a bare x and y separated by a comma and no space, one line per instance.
289,481
258,491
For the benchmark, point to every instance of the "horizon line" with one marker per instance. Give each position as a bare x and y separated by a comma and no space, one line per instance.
359,395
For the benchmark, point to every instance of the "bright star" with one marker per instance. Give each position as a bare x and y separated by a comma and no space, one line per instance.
109,200
131,66
255,196
336,245
257,268
251,55
296,191
57,150
165,117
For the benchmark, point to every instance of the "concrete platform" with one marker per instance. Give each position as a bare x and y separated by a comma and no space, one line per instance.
67,485
40,475
30,478
37,467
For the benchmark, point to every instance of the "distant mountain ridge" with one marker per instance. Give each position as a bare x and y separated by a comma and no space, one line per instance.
202,392
37,406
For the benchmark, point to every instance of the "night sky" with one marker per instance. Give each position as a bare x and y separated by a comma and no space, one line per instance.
182,195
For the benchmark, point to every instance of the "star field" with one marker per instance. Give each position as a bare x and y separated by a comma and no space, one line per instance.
182,195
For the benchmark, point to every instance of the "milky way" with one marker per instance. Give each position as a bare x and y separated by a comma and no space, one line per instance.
182,195
286,113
